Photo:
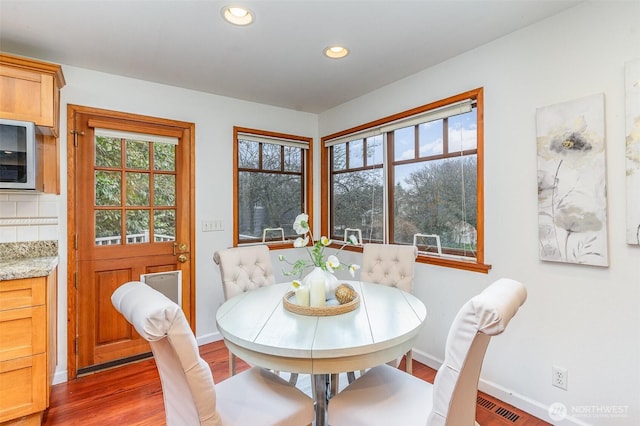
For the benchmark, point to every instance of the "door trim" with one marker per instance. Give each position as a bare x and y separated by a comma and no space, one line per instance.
72,264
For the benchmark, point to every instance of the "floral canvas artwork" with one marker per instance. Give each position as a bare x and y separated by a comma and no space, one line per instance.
632,92
572,203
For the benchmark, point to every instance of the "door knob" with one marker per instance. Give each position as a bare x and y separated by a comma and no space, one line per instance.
182,258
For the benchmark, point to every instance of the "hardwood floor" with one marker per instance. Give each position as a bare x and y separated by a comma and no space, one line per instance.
131,395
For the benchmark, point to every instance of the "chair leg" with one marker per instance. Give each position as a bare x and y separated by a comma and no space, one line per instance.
409,362
334,384
232,364
293,379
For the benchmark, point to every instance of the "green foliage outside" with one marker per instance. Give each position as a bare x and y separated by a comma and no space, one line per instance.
135,204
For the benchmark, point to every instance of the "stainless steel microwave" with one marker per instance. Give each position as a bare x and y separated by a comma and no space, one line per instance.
18,154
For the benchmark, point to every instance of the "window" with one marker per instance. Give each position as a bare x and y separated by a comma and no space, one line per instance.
271,184
135,187
412,178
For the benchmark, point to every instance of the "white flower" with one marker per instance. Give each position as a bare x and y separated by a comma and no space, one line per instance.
353,269
301,224
301,242
315,251
332,263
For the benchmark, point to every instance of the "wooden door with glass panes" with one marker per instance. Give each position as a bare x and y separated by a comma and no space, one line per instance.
133,215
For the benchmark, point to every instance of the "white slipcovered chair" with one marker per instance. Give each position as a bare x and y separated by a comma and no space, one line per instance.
385,395
244,269
391,265
253,397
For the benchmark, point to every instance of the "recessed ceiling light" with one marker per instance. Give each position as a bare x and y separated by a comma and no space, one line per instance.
336,52
237,15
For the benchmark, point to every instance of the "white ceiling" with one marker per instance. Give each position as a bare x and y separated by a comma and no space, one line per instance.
278,59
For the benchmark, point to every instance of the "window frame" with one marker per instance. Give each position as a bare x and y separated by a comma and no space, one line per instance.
306,172
477,95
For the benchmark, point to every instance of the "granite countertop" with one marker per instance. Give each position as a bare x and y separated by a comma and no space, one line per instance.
28,259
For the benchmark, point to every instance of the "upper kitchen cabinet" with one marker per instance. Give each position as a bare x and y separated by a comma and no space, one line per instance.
30,91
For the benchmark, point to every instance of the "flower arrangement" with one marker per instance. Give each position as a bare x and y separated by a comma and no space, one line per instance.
316,252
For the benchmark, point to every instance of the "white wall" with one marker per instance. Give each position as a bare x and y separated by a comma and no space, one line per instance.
214,117
585,319
582,318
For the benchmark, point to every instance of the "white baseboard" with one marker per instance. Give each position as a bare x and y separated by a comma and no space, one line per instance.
208,338
528,405
60,376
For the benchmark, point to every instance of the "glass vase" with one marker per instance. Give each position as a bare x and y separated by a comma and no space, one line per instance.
330,281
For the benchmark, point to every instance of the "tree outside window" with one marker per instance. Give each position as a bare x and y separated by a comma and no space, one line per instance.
271,174
413,178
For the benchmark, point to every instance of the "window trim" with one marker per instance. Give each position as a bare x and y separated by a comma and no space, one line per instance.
307,174
477,95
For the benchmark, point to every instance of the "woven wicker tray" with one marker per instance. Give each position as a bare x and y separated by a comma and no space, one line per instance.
320,312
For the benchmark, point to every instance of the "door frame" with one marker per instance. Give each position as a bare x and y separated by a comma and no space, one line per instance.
72,214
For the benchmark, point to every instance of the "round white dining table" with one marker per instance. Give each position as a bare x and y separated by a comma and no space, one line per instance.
258,329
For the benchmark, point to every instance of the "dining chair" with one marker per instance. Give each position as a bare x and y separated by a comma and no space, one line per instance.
253,397
391,265
387,395
244,269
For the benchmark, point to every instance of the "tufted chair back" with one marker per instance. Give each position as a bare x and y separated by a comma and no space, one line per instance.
244,269
385,395
187,384
456,383
389,264
191,397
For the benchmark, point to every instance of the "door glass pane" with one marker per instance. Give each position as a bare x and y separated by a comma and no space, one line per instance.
164,156
137,189
137,226
108,227
137,155
108,152
164,225
164,190
108,187
140,195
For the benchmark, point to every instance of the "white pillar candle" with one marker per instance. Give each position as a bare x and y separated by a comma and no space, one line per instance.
316,294
302,296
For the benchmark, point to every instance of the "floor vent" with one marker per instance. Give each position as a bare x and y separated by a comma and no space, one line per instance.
485,403
497,409
509,415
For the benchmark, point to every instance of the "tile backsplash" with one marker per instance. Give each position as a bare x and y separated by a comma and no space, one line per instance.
28,217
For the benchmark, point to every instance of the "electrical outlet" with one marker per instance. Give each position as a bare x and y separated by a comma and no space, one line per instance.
559,377
212,225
